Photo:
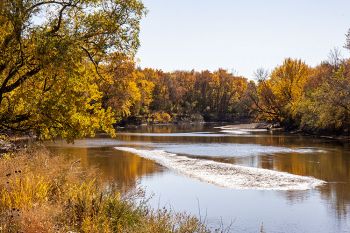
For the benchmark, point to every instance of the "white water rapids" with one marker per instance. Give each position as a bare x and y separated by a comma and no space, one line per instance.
227,175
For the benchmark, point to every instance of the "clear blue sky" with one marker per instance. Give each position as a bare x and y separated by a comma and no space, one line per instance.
240,35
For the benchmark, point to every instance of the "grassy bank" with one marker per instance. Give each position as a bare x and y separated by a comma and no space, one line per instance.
41,192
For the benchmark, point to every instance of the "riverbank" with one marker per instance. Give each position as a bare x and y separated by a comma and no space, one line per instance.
43,192
277,127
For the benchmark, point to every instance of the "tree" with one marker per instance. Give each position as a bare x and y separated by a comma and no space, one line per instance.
51,54
226,92
326,102
335,57
280,94
347,45
128,92
261,74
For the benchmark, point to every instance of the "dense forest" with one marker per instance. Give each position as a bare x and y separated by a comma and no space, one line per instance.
294,95
73,73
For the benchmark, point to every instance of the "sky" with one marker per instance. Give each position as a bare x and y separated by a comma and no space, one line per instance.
240,35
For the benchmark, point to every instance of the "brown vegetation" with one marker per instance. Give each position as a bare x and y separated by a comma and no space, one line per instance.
45,193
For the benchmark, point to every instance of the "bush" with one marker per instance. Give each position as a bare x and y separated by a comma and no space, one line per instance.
161,117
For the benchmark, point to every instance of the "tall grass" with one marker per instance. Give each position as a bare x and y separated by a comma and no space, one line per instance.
41,192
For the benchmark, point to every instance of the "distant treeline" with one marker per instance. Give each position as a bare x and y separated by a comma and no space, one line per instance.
295,95
154,96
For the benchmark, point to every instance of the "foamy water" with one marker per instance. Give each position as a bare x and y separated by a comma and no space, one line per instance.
230,149
240,129
235,131
189,134
227,175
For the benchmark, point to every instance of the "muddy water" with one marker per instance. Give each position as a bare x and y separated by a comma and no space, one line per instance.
308,190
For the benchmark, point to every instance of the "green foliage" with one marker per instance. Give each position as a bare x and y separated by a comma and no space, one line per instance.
50,62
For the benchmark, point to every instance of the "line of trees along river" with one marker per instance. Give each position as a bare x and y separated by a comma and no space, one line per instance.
71,73
293,94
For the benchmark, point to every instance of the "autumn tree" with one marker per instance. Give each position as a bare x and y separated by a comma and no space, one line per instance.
203,90
191,95
120,91
280,94
51,54
347,44
225,93
161,93
326,101
129,90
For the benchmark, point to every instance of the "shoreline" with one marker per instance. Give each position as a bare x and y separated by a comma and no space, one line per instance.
13,142
254,125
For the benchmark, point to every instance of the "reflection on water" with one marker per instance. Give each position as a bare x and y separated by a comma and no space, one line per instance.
333,168
123,168
330,204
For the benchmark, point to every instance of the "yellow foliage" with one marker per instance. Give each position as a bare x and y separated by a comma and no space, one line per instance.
47,193
280,94
24,192
51,70
161,117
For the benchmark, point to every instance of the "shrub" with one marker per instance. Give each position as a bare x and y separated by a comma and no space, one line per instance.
161,117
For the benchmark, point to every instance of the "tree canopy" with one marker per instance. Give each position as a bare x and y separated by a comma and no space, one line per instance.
67,69
52,55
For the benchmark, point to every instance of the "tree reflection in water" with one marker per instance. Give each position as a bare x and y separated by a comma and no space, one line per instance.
115,167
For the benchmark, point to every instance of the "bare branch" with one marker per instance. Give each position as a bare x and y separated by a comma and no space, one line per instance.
335,57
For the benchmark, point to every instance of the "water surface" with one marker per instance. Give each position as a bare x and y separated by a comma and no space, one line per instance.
322,208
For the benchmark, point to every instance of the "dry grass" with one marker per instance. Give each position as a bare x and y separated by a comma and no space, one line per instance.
45,193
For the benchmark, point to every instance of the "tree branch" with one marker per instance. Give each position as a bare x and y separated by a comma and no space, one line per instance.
60,16
45,3
18,82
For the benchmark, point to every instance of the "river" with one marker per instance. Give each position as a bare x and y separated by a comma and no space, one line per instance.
243,178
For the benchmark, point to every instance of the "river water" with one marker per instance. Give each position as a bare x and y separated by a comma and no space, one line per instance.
242,178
